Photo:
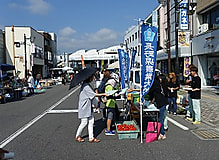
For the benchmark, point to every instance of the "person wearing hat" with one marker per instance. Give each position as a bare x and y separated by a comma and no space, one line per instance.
196,94
85,112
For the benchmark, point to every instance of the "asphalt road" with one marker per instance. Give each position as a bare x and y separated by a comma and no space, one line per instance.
42,127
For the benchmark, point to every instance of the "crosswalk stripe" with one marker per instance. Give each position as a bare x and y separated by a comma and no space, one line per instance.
29,124
63,111
177,124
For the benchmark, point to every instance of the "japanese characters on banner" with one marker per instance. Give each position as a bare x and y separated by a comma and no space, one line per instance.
187,62
148,57
184,21
124,67
133,59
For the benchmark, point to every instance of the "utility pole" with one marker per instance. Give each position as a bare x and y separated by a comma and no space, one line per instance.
176,39
13,49
25,57
168,36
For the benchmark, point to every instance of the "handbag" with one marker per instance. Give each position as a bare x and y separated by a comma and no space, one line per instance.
153,131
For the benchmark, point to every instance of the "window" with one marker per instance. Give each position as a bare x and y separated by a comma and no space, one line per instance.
212,18
136,35
131,76
137,77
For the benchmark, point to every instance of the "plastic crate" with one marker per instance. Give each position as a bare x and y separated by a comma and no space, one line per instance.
127,134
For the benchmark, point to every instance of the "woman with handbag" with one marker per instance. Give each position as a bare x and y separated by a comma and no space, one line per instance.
156,93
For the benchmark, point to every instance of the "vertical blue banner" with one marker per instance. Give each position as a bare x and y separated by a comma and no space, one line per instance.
124,67
148,57
184,21
133,59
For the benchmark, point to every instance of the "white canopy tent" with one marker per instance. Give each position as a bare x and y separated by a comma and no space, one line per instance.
114,65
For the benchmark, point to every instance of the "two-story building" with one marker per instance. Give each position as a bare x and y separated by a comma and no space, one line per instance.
29,50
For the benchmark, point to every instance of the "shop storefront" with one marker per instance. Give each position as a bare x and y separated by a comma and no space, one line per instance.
162,61
206,53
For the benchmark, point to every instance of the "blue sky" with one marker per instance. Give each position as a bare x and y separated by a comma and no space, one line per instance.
79,24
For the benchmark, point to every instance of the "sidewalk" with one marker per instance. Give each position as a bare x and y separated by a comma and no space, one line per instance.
209,105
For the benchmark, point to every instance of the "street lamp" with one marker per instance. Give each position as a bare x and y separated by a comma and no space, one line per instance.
124,45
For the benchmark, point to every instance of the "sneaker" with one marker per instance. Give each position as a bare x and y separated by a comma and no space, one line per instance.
190,119
109,133
174,113
196,122
165,129
186,117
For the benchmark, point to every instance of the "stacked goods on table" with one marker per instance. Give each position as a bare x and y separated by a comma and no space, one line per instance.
127,130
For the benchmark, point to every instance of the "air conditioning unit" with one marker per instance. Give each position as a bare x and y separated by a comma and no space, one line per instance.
203,28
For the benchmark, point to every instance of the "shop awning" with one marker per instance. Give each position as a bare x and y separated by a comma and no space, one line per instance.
6,67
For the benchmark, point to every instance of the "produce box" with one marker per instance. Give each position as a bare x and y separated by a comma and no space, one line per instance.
127,134
136,97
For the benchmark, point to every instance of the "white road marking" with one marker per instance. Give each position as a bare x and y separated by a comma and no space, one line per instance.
177,124
64,111
26,126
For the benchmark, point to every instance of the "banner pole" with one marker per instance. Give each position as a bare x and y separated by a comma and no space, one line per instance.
139,42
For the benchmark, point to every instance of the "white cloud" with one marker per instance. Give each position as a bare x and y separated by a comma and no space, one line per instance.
102,35
67,31
33,6
38,7
2,27
103,38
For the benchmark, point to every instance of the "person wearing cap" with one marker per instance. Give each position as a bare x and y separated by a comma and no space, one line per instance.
196,94
111,106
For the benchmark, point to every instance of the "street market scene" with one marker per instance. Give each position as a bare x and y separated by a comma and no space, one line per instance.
153,93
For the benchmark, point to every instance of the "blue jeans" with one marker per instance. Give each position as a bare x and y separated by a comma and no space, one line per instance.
170,100
161,119
190,112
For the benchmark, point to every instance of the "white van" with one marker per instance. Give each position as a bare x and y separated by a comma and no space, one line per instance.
134,80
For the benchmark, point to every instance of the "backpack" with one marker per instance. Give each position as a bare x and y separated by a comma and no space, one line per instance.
101,87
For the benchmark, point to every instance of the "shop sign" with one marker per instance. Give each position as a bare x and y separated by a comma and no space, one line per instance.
183,39
184,21
187,62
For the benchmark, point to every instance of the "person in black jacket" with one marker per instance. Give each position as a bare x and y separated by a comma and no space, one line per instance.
161,101
189,114
196,94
